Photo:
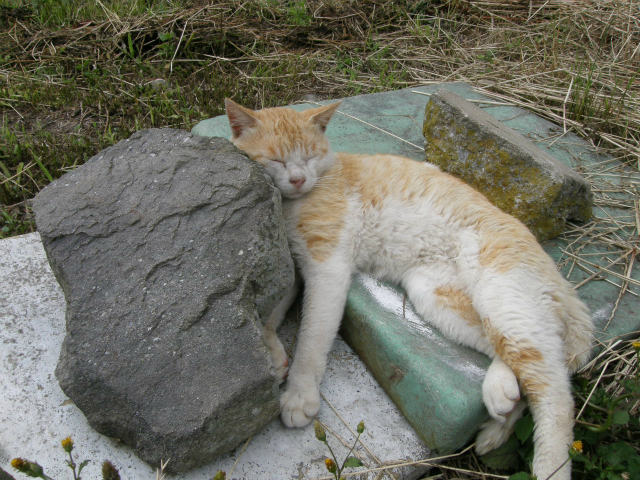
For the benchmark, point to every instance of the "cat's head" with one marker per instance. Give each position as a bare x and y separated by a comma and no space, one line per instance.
291,145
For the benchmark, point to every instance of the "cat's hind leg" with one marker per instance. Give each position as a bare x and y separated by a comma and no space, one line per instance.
441,301
528,338
274,345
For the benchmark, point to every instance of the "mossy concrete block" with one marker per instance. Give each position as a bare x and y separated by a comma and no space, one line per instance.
511,171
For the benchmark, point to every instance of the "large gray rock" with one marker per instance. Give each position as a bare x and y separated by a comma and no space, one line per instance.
170,249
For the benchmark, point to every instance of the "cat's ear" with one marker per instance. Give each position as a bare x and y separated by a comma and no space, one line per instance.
240,118
321,115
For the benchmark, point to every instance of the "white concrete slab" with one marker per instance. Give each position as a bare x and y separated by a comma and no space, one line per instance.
35,414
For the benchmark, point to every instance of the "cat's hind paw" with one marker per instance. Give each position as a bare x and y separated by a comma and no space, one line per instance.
494,433
500,391
299,406
280,362
279,356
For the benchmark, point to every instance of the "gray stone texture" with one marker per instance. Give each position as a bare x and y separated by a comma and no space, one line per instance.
507,168
170,249
5,476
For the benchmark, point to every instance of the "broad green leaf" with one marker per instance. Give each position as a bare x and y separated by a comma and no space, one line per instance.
524,428
352,462
520,476
620,417
617,453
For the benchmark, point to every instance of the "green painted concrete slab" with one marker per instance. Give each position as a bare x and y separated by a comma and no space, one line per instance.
435,383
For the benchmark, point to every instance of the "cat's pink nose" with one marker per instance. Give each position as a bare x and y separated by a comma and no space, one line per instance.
297,181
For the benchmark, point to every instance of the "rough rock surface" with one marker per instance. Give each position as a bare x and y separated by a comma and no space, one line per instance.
513,173
5,476
170,249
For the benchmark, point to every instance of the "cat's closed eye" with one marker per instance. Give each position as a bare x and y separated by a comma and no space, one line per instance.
266,160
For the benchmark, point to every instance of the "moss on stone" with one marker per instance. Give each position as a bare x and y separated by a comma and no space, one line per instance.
515,184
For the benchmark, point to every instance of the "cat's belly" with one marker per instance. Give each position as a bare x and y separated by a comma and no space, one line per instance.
399,237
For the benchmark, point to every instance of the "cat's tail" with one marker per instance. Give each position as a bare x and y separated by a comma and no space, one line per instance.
575,315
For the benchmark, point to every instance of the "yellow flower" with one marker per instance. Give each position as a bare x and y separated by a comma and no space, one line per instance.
330,464
220,475
67,444
27,467
577,446
636,345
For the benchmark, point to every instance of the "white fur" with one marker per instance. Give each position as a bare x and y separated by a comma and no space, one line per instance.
500,390
325,295
271,340
494,433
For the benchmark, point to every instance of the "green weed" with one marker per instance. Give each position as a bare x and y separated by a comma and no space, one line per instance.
94,73
297,13
61,13
332,464
33,469
609,428
78,76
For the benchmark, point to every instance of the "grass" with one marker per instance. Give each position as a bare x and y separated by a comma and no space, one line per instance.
78,76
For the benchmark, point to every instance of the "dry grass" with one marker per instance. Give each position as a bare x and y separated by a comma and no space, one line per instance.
69,89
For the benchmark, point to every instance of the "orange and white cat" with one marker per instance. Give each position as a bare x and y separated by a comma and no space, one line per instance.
471,270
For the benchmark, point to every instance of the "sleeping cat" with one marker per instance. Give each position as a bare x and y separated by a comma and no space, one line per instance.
473,271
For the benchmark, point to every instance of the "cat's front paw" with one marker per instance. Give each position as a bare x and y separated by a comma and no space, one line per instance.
298,406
